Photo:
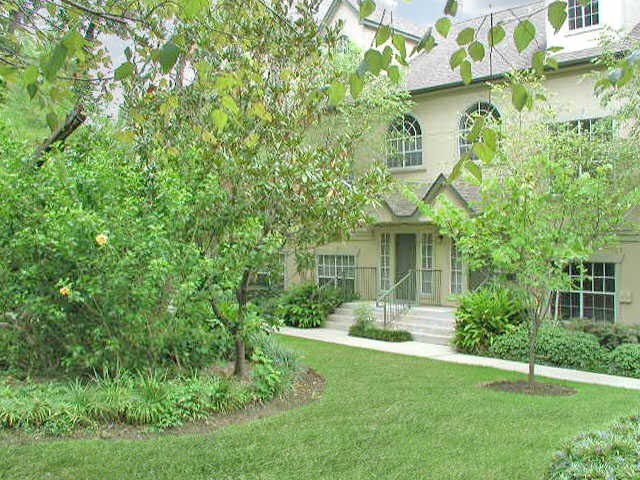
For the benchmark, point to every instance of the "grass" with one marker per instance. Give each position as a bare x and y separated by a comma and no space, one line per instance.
383,416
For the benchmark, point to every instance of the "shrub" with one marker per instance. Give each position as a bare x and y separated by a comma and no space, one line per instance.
91,274
609,335
364,326
625,360
307,305
484,314
608,454
556,346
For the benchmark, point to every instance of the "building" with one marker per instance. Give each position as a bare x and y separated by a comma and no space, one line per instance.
402,240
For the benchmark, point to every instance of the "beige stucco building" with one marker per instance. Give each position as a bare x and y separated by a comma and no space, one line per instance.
403,240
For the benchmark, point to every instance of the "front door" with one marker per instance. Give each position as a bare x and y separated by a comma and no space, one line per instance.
405,262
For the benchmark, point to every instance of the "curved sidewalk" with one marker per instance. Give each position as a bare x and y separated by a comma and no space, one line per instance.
448,354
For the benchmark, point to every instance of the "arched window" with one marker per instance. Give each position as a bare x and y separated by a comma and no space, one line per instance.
479,109
404,143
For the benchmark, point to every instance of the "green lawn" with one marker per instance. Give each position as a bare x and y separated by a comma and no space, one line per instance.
382,416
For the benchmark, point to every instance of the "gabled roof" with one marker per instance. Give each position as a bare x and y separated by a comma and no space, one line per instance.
430,70
401,206
401,25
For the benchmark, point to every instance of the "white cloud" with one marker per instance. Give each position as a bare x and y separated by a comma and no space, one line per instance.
388,4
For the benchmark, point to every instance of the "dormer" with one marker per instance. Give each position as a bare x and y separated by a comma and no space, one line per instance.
585,24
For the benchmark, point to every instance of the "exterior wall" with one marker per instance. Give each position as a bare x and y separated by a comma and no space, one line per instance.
616,14
359,33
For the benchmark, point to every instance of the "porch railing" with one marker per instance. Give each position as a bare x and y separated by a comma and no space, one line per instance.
398,299
358,282
429,283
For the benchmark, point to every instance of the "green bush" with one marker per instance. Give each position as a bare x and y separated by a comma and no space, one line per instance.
483,315
609,335
625,360
383,334
607,454
308,305
91,274
556,346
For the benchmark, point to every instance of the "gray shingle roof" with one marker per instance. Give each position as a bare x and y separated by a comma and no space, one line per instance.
401,206
432,69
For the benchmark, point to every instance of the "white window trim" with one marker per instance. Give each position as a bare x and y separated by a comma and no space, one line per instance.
385,286
425,265
463,132
417,137
462,270
583,17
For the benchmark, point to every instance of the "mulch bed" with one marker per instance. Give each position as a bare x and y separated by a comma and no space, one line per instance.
522,386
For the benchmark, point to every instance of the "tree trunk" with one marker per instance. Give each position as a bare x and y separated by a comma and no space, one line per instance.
533,337
242,295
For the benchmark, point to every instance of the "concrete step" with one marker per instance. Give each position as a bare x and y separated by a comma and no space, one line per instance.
435,339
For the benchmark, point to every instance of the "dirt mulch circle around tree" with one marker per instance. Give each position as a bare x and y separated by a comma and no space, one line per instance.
309,386
522,386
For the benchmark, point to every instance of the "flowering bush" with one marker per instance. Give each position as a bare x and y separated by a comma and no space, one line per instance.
91,274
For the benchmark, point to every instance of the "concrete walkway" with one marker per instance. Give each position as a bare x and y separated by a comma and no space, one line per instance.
448,354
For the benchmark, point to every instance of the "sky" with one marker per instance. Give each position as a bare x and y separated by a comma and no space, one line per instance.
428,11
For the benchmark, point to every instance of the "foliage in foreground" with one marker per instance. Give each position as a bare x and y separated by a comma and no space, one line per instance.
483,315
92,276
609,335
307,305
606,454
153,400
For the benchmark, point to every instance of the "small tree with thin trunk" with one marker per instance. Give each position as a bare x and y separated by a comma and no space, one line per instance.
263,161
555,193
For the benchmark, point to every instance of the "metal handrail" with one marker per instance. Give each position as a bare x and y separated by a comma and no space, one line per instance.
393,305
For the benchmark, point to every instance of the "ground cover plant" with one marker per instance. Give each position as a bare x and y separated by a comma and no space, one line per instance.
308,305
365,326
610,453
405,416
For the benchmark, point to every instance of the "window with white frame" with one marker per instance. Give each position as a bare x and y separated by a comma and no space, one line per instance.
581,16
428,262
457,269
404,143
599,130
336,270
480,109
592,293
385,262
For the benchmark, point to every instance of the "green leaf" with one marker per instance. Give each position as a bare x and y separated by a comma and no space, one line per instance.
427,43
394,73
553,63
387,55
465,72
524,34
490,137
30,74
356,84
32,89
483,152
496,35
538,61
557,12
384,32
464,158
220,118
399,42
192,8
451,8
336,92
465,36
367,7
73,41
519,96
476,128
373,61
476,51
443,25
52,121
56,61
230,104
123,71
474,169
457,58
168,56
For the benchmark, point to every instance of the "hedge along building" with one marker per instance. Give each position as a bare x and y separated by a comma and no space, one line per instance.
428,142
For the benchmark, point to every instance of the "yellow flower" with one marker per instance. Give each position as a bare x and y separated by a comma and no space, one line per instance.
65,291
101,239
